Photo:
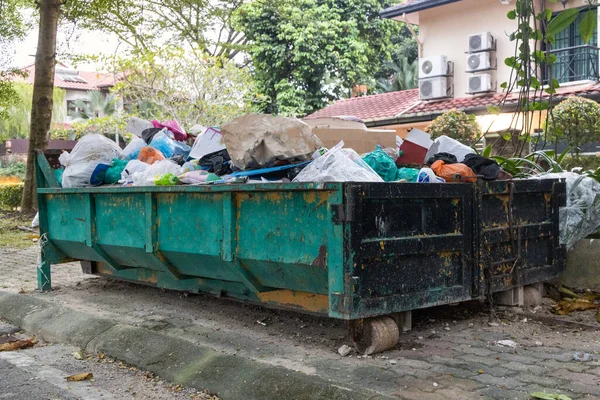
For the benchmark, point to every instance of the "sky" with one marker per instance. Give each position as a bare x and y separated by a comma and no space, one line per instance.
68,41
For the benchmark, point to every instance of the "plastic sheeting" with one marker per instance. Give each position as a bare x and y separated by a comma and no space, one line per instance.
338,165
581,216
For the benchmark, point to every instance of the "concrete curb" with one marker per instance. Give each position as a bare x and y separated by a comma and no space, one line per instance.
172,358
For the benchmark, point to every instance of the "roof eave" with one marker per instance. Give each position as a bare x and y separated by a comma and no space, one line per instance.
399,10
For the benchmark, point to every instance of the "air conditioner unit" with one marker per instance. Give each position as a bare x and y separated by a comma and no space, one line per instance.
434,88
480,83
433,66
479,61
505,2
481,42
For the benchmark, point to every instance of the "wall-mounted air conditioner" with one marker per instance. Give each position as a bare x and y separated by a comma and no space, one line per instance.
480,84
433,66
479,61
481,42
435,88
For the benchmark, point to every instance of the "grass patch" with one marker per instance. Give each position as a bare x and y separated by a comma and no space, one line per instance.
10,235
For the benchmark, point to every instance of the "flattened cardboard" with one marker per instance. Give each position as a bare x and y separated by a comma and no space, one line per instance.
355,135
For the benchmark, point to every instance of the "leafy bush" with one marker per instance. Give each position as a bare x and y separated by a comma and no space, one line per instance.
10,196
457,125
584,162
13,169
575,120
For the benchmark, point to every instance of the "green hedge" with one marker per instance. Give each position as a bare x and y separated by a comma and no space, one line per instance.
13,169
10,196
585,162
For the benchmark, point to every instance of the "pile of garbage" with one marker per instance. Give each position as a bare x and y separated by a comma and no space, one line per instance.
262,148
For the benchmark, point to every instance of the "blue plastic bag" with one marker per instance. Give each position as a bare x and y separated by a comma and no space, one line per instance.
164,142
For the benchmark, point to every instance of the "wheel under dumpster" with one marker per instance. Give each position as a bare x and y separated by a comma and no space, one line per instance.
368,253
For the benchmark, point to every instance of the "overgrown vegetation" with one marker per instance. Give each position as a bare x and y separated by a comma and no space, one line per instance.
457,125
13,169
10,196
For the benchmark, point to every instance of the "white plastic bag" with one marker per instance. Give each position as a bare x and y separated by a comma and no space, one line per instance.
338,165
445,144
154,171
137,125
36,220
91,156
132,150
131,168
426,175
581,216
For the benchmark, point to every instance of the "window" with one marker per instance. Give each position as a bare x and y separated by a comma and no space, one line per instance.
575,60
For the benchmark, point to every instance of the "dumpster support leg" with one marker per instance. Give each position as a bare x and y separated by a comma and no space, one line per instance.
511,297
44,276
404,321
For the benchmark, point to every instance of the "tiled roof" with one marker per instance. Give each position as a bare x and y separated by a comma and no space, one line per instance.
93,80
386,106
371,107
411,6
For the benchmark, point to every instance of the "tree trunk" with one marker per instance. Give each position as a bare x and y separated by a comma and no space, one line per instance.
43,88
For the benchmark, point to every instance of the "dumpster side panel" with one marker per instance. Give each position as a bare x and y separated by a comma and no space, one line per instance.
410,247
264,243
518,230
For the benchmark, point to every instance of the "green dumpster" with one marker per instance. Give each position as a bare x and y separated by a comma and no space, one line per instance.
353,251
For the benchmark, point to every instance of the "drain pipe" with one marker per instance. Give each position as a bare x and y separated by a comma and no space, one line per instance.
412,31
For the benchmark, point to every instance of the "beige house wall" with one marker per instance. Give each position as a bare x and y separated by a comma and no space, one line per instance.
445,31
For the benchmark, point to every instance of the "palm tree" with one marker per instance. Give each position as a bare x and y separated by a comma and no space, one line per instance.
404,76
97,106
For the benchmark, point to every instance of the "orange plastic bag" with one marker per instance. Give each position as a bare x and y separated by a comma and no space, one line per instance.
453,172
150,155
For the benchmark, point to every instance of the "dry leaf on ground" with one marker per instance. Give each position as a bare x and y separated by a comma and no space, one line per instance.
566,306
80,377
17,345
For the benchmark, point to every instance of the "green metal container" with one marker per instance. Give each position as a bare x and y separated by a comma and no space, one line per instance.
346,250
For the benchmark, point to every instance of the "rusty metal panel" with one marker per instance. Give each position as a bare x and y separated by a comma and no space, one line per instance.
409,247
518,234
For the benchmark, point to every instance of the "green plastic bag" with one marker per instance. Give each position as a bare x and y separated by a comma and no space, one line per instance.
167,179
383,164
58,173
408,174
113,173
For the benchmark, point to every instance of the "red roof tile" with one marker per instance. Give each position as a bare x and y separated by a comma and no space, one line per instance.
93,80
373,107
407,103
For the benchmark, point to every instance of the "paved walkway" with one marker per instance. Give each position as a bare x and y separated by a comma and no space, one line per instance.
450,354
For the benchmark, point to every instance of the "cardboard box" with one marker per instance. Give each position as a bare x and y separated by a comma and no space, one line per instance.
414,148
354,134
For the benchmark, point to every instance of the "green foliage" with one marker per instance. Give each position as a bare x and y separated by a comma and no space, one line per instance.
405,75
200,25
306,53
16,125
575,120
107,126
457,125
188,86
10,196
586,163
99,105
13,169
532,164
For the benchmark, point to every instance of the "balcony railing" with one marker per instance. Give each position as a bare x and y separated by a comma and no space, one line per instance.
577,63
